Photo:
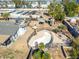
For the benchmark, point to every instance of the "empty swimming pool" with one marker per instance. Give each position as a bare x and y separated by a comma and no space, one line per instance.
43,36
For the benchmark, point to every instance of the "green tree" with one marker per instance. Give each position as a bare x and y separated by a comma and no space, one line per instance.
57,11
75,45
46,56
41,46
75,52
70,9
67,1
37,55
77,9
41,55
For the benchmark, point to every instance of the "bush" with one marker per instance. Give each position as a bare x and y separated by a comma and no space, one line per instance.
62,27
56,30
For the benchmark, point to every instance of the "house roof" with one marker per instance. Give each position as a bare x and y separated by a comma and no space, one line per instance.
8,28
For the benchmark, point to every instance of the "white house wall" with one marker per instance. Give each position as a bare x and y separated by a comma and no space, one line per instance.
21,31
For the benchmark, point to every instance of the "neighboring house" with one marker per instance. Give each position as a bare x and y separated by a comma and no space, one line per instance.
33,3
12,30
77,1
72,26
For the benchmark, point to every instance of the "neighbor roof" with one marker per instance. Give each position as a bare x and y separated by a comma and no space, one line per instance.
8,28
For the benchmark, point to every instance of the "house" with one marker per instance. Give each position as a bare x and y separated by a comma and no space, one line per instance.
72,25
77,1
32,3
12,31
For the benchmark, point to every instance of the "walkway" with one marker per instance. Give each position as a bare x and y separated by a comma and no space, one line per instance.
56,53
55,49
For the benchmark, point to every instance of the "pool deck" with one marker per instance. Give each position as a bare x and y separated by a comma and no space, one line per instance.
56,39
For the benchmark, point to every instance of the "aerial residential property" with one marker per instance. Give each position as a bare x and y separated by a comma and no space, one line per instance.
39,29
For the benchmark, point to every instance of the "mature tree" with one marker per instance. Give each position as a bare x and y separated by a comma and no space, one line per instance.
70,9
57,11
67,8
77,9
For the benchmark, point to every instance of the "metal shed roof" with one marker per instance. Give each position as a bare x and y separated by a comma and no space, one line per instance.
8,28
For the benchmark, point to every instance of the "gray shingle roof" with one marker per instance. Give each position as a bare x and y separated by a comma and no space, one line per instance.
8,28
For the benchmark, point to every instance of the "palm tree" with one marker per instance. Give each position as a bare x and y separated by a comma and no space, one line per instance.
41,46
37,55
46,56
41,55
